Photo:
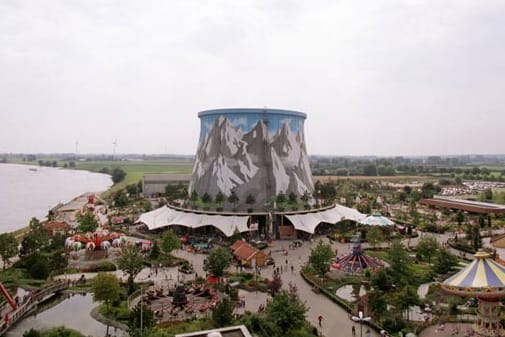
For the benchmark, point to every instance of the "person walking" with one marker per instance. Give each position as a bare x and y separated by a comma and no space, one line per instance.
320,320
368,333
353,331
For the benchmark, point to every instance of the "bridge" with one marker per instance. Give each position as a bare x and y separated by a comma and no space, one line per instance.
29,302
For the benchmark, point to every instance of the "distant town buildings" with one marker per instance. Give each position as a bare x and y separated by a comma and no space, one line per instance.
470,188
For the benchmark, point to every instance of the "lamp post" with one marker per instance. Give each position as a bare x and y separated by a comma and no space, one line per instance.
141,305
360,319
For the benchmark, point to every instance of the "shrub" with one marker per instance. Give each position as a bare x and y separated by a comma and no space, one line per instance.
104,266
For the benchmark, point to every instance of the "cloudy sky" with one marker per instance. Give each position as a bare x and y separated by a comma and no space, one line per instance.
375,77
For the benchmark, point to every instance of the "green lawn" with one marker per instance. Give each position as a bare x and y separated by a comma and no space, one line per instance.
420,270
135,169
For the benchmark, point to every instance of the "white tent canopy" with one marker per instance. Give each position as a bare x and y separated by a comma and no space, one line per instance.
309,221
165,217
376,219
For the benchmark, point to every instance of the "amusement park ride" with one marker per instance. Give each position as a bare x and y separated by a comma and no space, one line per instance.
6,295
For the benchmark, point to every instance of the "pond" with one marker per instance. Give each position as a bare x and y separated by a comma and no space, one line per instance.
346,292
73,312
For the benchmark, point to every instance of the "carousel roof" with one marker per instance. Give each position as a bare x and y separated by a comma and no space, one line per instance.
356,261
376,219
482,277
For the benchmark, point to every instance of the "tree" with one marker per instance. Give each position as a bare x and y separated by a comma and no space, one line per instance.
141,320
377,302
374,236
381,281
275,285
476,238
460,217
105,287
58,261
320,258
37,266
120,199
87,222
406,298
219,198
250,200
8,247
218,260
131,262
233,199
292,198
155,251
36,239
29,246
286,312
118,175
194,196
206,198
169,242
445,261
222,315
281,198
399,265
57,242
132,190
427,247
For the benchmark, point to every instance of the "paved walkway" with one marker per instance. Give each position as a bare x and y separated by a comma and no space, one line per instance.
336,321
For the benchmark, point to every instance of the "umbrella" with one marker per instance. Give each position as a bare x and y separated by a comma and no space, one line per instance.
376,219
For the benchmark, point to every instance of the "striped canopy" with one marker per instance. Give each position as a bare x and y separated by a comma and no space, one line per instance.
376,219
483,277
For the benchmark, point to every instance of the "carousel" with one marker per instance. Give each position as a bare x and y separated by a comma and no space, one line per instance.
356,261
484,278
96,244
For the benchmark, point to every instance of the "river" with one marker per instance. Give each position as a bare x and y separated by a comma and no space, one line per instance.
31,191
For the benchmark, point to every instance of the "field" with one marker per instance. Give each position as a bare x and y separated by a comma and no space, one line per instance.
135,169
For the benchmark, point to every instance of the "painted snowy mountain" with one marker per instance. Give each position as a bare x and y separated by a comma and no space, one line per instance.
251,163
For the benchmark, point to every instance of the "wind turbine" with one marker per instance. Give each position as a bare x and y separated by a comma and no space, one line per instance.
76,148
114,145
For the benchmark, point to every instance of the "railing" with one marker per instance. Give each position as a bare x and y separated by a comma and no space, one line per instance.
29,302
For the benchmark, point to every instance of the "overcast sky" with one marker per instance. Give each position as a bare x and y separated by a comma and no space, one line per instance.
375,77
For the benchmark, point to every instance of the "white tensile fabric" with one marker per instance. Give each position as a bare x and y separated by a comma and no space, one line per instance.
308,222
165,216
376,220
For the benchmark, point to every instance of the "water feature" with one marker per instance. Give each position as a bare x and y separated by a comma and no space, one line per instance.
73,312
347,292
30,191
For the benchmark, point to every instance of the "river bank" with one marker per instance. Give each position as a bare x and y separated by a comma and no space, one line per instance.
31,191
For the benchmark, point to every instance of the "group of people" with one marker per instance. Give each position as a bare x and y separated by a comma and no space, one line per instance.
368,333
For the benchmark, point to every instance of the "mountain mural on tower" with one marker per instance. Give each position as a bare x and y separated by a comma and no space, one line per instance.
261,161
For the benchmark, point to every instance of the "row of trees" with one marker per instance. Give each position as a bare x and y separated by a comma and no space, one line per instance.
39,255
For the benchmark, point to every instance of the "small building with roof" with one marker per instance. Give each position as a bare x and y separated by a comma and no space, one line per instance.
57,227
154,184
245,253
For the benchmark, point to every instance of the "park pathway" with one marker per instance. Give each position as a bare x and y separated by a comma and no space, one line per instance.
336,321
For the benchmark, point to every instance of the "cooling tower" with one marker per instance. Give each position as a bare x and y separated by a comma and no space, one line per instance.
258,152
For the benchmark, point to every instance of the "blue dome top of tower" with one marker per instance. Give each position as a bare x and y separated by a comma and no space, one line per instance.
243,111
